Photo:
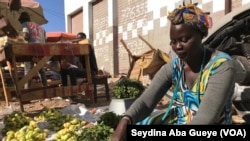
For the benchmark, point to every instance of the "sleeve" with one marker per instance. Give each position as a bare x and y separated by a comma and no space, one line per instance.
26,32
145,104
220,88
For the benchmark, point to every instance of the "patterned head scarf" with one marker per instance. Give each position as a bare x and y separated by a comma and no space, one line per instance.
191,15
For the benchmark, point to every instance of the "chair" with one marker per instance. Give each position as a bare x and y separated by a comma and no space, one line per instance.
101,79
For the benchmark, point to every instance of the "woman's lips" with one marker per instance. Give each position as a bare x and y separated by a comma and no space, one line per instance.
181,54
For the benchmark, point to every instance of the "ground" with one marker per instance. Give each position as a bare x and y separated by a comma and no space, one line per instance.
36,106
57,102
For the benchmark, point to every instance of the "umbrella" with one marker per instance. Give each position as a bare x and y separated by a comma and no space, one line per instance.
33,8
59,36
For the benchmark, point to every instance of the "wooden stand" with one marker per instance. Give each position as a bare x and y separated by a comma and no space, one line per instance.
11,53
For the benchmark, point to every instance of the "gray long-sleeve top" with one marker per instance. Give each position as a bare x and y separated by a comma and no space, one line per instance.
220,87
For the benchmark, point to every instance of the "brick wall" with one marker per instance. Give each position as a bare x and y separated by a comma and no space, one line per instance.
138,17
102,35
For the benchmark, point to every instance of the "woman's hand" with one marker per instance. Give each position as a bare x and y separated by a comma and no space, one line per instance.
120,133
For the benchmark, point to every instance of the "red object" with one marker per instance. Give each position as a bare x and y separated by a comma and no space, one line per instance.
59,36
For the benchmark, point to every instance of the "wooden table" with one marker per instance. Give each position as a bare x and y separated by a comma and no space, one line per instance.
11,53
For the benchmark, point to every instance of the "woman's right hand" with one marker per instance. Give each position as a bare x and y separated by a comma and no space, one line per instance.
120,133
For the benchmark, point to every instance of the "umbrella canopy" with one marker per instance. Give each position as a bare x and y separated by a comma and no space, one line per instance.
59,36
33,8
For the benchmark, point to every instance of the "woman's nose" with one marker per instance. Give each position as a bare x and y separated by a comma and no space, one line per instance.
178,45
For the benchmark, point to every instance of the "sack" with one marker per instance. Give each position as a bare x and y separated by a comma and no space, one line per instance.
14,4
157,118
159,58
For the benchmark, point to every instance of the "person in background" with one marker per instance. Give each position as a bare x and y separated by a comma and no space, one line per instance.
32,33
53,69
71,66
74,67
92,58
202,79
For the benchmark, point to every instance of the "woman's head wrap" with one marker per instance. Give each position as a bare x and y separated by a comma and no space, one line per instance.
191,15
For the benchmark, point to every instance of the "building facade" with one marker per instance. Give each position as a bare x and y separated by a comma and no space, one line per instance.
106,22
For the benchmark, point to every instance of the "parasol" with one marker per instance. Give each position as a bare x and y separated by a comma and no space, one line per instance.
33,8
59,36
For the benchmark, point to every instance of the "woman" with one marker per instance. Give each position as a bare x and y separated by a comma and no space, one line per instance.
202,79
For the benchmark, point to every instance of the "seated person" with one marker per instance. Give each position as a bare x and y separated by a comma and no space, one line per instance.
74,67
69,67
53,69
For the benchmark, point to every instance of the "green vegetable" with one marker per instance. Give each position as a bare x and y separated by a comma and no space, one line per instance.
110,119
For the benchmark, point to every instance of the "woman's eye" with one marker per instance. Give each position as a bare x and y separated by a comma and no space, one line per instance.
172,42
184,39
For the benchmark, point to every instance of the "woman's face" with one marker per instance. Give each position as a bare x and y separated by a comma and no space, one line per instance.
185,41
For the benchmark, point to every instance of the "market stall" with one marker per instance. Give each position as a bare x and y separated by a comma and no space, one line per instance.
14,52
